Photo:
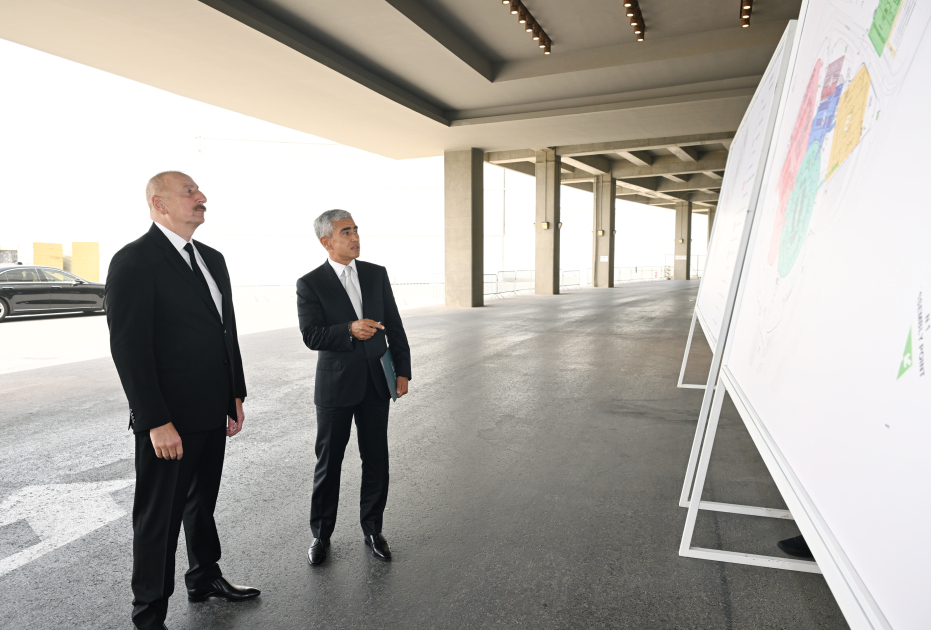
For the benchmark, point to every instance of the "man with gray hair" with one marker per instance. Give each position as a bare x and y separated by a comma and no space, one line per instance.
347,313
173,340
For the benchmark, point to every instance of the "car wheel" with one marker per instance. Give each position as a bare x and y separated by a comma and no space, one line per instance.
4,309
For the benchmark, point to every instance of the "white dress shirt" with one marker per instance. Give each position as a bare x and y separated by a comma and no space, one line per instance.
179,244
338,268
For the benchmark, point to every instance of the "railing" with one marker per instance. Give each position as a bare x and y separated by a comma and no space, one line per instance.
696,264
624,275
570,279
506,283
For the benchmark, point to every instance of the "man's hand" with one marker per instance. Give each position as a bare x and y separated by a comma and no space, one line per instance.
166,441
402,385
235,426
365,328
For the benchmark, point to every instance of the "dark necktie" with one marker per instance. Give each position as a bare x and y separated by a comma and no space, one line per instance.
196,269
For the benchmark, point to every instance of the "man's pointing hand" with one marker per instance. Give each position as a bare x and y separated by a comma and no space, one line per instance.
365,328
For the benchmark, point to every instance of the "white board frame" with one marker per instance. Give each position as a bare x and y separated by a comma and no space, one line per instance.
788,44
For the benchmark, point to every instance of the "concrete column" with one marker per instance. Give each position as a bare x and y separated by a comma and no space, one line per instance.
603,247
464,197
683,251
546,259
711,212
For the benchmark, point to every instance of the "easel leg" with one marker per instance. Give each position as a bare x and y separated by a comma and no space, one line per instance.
685,359
706,406
685,547
702,473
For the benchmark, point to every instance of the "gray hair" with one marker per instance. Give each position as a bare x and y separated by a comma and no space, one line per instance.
157,186
323,225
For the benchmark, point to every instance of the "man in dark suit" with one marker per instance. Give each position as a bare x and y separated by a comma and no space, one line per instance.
346,311
173,340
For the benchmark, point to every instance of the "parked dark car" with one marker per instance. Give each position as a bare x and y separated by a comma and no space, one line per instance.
28,289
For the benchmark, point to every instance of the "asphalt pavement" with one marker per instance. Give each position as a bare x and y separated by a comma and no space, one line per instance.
535,473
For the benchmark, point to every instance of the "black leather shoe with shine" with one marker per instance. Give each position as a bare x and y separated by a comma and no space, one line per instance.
796,547
318,549
224,590
379,546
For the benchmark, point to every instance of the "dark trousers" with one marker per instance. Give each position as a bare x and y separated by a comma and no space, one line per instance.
333,427
169,492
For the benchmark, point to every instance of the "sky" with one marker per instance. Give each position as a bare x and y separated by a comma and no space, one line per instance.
77,146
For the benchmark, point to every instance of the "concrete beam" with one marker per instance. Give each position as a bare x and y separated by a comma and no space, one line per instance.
446,35
645,185
464,226
703,196
645,145
586,186
635,198
594,164
527,168
508,157
671,165
713,175
647,191
695,182
686,154
638,158
285,34
578,176
675,178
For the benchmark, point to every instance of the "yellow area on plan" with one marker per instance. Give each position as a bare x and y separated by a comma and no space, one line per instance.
849,122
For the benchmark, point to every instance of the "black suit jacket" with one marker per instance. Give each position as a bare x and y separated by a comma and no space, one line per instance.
178,363
324,313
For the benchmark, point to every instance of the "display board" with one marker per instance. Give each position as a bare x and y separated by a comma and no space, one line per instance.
739,192
829,349
751,149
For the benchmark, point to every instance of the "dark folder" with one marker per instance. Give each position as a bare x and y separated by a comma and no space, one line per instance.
387,363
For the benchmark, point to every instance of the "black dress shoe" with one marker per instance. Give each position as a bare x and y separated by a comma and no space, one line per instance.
379,546
796,547
224,590
317,552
